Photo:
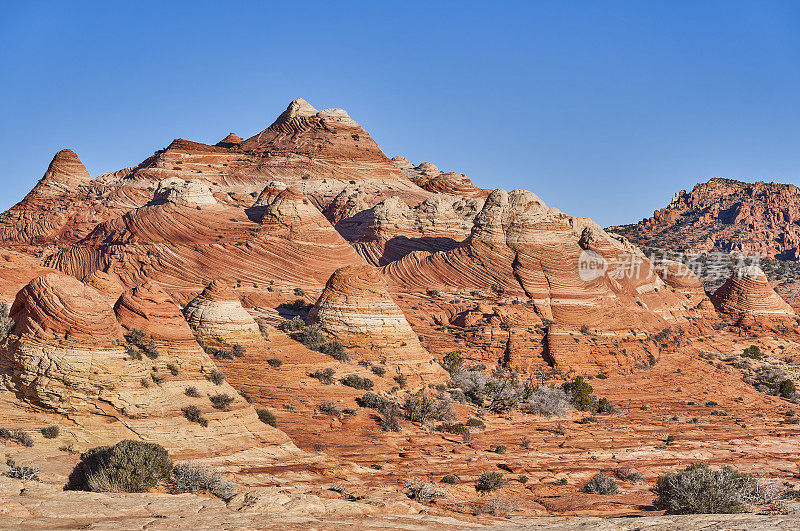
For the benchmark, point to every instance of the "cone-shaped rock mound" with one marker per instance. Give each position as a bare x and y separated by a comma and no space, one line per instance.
356,307
748,293
218,311
108,284
229,141
66,172
149,309
56,306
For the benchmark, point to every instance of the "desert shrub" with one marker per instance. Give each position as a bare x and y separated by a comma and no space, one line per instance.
455,429
149,349
422,407
604,406
17,435
476,423
312,337
335,349
133,353
472,384
489,481
453,362
324,375
651,359
628,473
601,484
173,369
238,350
787,389
216,377
299,292
523,479
128,466
451,479
191,391
221,401
330,409
350,412
699,490
295,324
194,414
50,432
401,380
298,305
390,417
580,393
274,362
752,352
373,401
378,370
500,449
492,505
548,402
6,323
357,382
504,393
188,477
267,417
25,473
135,337
422,491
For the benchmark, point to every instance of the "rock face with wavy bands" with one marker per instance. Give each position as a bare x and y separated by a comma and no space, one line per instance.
748,294
519,247
217,311
357,309
65,174
179,191
56,306
149,309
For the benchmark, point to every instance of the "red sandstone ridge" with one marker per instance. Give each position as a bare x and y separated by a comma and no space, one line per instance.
726,215
149,309
65,174
356,307
747,294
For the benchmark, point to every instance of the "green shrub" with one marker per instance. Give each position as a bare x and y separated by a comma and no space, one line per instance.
135,337
476,423
357,382
335,349
373,401
194,414
500,449
325,375
173,369
17,435
275,362
25,473
295,324
221,401
267,417
299,292
378,370
128,466
601,484
191,391
787,389
51,432
390,417
580,393
216,377
312,337
453,362
490,481
455,429
699,490
451,479
752,352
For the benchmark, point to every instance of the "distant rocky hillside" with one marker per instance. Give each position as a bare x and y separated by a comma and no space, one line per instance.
729,216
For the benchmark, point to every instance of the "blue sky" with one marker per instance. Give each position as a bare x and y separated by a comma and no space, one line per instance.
604,109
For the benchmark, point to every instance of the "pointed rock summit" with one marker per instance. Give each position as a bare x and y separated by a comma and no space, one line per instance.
747,293
229,141
65,173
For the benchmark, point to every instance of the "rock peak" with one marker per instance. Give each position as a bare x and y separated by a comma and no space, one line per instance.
229,141
65,172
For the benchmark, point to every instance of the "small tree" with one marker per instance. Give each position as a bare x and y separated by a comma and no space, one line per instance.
581,394
787,389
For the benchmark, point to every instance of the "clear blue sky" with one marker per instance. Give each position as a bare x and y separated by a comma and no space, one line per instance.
604,109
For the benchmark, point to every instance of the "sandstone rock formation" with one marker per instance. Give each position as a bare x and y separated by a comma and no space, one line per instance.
747,294
151,310
56,306
229,141
65,174
176,190
726,215
217,311
356,308
107,284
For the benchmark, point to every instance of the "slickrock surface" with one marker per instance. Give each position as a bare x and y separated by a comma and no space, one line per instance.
747,293
391,229
149,309
217,311
356,308
108,284
726,215
57,306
